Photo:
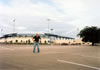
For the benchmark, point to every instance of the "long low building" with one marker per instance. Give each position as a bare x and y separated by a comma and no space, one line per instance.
46,38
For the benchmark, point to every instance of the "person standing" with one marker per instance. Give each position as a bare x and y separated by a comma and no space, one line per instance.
36,39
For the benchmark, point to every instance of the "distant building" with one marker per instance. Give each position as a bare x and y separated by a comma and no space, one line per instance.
46,38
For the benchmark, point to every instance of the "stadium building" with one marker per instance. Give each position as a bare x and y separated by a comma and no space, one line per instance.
46,38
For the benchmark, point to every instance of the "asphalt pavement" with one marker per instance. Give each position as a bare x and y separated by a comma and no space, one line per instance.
51,57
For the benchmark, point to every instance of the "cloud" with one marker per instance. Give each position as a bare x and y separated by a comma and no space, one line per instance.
66,15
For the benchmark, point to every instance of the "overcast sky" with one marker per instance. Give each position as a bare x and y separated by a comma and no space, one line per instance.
67,17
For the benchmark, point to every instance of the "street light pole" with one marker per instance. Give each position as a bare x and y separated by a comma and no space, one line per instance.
48,24
1,31
14,25
51,31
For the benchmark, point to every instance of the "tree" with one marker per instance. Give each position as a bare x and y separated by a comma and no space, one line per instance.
90,34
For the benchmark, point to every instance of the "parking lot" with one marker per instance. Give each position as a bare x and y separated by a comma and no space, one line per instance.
51,57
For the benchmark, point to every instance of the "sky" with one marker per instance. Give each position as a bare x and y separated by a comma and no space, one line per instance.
66,17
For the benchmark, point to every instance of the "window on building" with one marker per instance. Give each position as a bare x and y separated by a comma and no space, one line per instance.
10,42
29,41
45,41
21,41
16,41
26,41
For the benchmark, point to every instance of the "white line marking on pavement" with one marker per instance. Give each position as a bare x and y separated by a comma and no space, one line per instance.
79,64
